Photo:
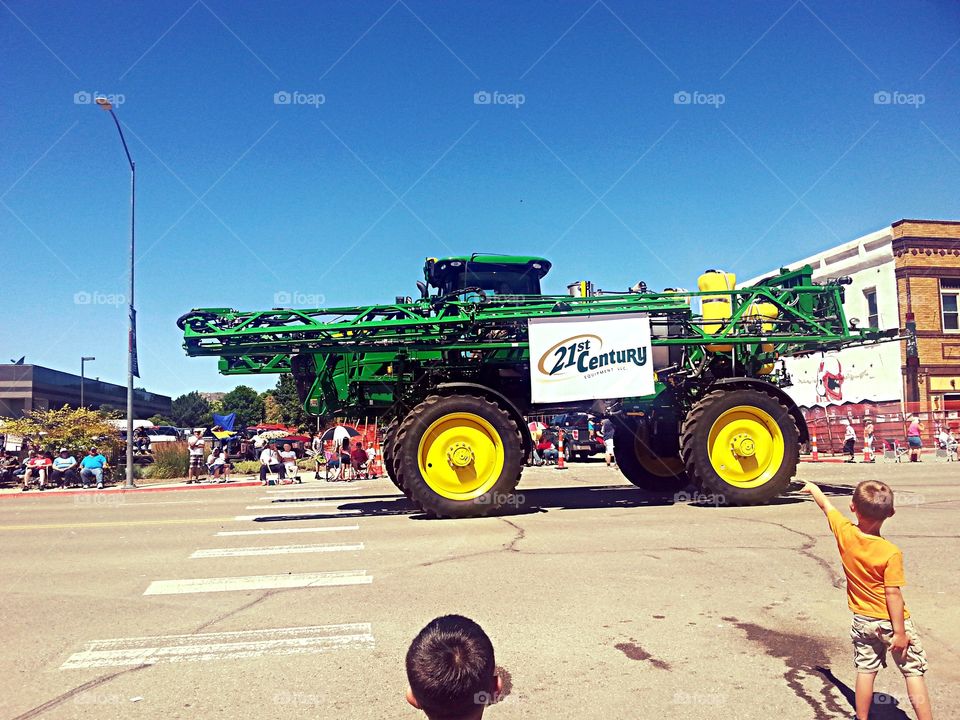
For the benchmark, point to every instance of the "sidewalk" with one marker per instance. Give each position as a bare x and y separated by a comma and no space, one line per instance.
858,457
142,486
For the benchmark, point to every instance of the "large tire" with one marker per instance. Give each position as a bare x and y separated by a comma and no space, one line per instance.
742,446
389,454
650,464
458,456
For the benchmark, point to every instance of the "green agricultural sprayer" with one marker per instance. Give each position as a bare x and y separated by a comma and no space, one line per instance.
695,397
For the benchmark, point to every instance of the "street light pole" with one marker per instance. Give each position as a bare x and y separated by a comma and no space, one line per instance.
131,333
83,375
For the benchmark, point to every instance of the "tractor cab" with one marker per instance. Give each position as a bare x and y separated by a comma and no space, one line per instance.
493,274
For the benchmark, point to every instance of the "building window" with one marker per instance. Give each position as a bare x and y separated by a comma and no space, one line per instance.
873,315
949,294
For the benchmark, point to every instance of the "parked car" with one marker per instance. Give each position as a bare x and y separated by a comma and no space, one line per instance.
577,441
164,433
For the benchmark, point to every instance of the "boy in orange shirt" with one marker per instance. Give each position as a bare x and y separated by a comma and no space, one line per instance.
874,570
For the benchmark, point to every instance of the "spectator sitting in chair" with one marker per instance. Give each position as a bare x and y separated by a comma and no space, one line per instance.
372,469
37,466
223,462
289,459
547,450
213,467
358,459
64,470
270,462
141,441
333,464
91,467
8,466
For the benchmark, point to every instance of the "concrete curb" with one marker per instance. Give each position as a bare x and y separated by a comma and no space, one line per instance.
120,490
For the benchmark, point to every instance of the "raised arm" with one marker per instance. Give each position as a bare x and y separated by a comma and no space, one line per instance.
818,497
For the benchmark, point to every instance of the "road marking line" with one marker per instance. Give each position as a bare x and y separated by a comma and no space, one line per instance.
220,646
273,550
279,531
293,516
115,523
258,582
295,498
164,502
291,503
310,489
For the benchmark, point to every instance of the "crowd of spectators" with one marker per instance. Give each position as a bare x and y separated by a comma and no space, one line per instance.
43,469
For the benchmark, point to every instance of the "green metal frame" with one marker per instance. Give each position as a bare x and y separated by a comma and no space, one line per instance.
371,357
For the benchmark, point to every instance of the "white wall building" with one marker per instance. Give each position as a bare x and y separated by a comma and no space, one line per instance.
872,372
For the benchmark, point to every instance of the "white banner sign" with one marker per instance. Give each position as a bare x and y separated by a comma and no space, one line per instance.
595,358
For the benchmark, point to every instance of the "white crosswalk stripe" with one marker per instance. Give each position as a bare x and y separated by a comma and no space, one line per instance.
202,647
284,531
319,495
309,488
274,550
305,516
258,582
291,504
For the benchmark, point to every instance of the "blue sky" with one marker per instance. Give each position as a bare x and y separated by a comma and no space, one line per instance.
626,141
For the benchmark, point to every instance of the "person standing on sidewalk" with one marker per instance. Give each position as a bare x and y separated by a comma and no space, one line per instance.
316,449
195,444
913,438
607,430
868,438
849,440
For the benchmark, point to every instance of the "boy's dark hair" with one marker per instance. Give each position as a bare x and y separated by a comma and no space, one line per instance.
450,667
873,499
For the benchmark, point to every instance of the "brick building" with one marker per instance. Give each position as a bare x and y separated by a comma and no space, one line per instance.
927,267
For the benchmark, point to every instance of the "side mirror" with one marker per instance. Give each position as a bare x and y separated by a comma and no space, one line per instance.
422,287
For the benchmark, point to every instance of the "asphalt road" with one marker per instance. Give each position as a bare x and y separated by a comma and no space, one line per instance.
602,601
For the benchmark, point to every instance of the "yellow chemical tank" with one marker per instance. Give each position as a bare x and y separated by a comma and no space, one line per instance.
716,307
764,311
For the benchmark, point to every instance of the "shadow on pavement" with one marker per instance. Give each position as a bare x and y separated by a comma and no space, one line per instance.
883,707
525,502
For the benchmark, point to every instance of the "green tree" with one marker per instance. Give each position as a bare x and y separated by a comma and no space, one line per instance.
290,408
160,420
109,411
246,403
271,408
189,410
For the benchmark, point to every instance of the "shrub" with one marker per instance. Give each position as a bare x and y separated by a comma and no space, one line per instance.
307,463
246,467
74,428
170,460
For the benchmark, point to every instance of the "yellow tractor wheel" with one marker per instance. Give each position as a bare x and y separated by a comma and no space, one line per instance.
742,445
458,456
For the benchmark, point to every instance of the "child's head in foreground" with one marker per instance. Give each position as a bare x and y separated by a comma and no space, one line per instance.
451,669
872,500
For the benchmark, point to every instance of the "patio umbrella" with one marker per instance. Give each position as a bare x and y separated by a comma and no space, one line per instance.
328,433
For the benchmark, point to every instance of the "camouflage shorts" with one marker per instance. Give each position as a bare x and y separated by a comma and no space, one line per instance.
871,638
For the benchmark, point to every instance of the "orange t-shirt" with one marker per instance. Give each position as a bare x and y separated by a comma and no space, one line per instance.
870,563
